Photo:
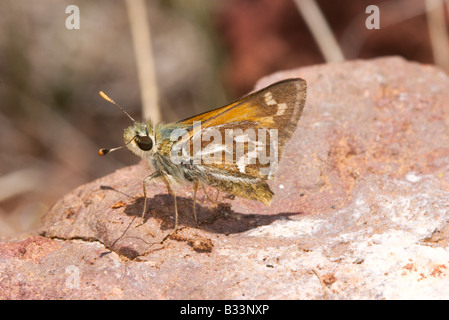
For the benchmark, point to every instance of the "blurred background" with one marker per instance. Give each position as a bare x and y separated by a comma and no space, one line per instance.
167,59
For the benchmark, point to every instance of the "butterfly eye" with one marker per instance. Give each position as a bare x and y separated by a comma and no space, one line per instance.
144,142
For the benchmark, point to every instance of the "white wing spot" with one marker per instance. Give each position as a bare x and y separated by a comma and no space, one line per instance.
241,138
281,108
241,164
269,99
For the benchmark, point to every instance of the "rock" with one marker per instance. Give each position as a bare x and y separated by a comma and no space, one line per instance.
360,210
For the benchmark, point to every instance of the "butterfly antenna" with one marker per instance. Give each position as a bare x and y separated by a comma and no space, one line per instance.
106,97
105,151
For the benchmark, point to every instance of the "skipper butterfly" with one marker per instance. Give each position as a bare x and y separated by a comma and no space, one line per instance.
235,148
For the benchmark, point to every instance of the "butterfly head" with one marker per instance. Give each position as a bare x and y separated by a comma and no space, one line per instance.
140,139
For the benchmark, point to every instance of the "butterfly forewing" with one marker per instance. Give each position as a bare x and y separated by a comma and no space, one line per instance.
259,124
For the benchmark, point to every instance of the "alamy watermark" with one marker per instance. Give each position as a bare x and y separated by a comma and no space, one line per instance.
73,20
373,20
226,146
73,280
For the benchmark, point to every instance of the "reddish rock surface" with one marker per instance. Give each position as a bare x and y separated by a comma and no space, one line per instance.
360,210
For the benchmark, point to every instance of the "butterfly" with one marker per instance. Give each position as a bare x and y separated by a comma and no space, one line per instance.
235,148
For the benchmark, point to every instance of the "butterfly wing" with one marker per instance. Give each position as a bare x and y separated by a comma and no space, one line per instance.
273,111
237,147
278,106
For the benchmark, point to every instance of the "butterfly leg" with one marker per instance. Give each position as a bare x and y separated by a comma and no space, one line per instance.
215,201
154,175
172,192
195,189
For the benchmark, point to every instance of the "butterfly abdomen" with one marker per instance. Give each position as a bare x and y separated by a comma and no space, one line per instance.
240,185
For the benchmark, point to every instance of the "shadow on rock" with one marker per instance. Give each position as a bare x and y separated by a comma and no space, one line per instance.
211,218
